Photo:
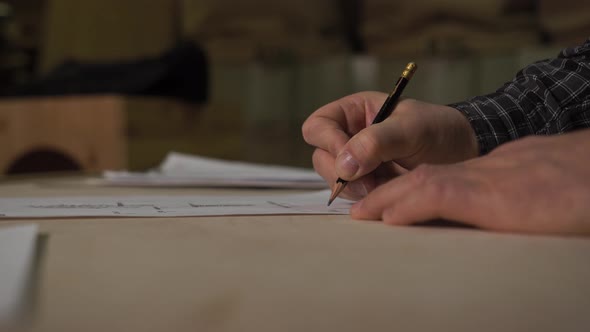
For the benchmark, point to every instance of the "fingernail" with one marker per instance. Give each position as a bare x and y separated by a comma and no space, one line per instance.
358,188
347,166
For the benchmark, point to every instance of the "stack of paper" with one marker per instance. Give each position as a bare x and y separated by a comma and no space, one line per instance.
186,170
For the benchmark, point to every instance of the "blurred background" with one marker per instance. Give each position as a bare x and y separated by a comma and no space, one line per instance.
109,84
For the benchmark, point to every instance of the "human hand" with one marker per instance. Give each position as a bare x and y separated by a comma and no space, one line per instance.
349,147
533,185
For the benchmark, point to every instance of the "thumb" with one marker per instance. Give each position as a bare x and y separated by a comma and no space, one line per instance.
374,145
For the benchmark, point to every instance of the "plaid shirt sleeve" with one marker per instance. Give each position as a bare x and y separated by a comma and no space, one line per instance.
547,97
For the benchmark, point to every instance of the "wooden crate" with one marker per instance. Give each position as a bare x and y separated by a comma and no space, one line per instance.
88,131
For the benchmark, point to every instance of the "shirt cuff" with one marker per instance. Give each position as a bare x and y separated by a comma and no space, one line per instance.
485,139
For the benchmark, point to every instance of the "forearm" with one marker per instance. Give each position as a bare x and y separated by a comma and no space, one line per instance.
547,97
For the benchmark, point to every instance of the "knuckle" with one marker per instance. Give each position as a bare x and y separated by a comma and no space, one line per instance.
316,133
334,147
317,159
435,188
523,144
319,164
438,190
307,128
532,139
547,168
422,174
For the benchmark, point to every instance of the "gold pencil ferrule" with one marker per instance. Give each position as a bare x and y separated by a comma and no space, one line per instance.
409,71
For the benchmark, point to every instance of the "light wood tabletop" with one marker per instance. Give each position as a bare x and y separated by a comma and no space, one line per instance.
295,273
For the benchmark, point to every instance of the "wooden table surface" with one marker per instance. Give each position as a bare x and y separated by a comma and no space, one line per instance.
295,273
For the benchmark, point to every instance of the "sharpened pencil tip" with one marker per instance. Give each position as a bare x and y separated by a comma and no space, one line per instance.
330,201
340,184
333,196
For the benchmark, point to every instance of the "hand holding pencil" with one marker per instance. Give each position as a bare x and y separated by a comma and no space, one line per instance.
351,148
384,112
422,162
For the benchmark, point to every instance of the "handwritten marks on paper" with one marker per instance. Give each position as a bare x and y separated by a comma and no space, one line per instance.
172,206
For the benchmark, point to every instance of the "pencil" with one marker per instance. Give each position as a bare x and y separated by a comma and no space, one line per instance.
383,114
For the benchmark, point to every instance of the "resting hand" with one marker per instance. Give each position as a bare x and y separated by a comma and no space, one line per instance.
349,147
533,185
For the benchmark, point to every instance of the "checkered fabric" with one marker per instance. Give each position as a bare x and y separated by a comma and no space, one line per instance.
545,98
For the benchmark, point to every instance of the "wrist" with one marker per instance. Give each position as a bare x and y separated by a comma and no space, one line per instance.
464,135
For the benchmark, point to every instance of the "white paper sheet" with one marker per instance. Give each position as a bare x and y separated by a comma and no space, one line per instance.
17,253
171,206
186,170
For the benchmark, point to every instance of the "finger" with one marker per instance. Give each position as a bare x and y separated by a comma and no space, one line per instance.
362,186
325,133
373,205
324,165
374,145
429,192
331,126
387,171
